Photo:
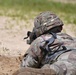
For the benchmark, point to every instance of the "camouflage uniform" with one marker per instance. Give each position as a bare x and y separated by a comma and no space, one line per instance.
65,63
38,57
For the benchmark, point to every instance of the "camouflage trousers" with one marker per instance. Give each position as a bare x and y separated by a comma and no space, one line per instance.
65,65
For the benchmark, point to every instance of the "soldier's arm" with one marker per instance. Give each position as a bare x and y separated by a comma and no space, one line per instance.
29,61
34,55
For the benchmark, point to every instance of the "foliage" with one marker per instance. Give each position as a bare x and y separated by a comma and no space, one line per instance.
21,8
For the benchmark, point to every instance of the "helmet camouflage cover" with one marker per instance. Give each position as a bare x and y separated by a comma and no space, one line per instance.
46,21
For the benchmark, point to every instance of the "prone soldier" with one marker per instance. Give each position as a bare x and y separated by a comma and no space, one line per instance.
49,48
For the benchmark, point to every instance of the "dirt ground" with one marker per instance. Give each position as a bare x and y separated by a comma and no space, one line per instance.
12,45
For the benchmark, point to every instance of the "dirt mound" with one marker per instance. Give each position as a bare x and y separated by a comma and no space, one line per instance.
33,71
8,65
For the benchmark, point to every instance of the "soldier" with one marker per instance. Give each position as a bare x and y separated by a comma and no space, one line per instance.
50,49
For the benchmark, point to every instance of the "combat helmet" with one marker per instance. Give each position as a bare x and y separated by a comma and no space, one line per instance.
46,21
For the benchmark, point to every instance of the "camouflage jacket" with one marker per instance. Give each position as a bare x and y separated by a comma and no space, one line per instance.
35,56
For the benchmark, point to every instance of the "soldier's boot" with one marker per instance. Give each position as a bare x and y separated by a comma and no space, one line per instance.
34,71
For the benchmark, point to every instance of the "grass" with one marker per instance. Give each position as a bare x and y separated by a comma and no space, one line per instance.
21,8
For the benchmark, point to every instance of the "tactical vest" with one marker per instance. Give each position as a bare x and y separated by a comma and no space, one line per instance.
51,56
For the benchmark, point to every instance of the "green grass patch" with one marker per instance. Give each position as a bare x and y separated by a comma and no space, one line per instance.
21,8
